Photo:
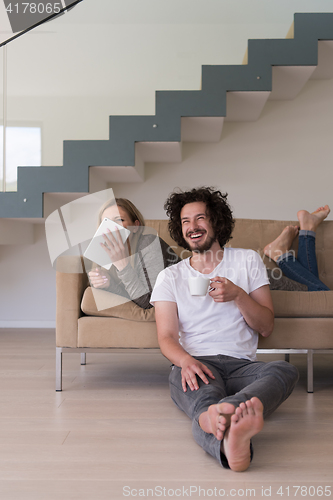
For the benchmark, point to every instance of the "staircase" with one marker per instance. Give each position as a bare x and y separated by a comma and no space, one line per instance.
272,70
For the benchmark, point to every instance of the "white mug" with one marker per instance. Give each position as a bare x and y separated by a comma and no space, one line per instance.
198,285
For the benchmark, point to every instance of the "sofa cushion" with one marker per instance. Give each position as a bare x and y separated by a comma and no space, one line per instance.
116,333
302,304
299,333
113,306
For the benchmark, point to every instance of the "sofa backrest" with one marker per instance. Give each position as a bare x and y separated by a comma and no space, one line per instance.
257,233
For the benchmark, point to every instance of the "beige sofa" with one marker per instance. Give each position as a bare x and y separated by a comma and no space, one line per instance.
303,320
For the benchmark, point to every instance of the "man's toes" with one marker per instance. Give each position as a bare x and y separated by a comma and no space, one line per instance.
243,408
221,426
238,411
257,404
236,417
250,409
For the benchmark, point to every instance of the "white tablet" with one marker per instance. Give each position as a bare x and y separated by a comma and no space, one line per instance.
95,252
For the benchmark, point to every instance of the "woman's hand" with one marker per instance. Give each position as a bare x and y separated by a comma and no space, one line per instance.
99,278
115,248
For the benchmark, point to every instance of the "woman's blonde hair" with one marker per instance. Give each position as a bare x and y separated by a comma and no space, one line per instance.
133,213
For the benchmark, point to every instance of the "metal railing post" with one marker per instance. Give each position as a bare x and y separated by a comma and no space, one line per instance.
58,369
4,117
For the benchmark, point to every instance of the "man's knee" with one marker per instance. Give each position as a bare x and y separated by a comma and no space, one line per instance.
197,401
175,382
175,375
284,371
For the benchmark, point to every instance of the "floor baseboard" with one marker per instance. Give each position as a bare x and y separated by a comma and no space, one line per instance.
27,324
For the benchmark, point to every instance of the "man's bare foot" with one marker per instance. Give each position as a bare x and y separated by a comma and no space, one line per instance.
217,419
310,222
245,423
282,243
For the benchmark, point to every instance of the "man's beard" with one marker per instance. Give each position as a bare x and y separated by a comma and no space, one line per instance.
204,247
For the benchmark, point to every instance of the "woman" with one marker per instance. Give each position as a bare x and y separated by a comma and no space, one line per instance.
137,262
302,269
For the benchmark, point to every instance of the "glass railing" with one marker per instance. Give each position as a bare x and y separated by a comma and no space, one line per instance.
101,58
66,77
2,129
38,87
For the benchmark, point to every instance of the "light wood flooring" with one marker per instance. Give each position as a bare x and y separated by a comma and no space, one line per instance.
114,433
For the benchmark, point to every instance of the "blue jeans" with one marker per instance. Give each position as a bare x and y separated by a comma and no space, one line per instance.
236,381
304,268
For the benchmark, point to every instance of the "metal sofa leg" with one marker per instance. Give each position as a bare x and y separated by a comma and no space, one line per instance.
310,369
287,357
58,369
83,358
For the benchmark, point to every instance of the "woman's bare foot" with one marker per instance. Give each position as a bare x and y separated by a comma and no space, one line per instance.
310,222
217,419
282,243
245,423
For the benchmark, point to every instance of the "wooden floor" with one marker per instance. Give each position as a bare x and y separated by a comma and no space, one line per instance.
114,432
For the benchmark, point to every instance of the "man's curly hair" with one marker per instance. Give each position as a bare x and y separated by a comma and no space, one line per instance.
218,211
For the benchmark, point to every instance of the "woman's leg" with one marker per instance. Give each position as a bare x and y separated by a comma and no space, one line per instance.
281,245
279,251
309,223
292,268
303,269
306,254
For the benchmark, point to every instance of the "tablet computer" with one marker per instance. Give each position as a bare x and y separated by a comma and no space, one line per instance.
95,252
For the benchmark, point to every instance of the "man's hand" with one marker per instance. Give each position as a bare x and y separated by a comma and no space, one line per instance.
256,307
191,367
224,290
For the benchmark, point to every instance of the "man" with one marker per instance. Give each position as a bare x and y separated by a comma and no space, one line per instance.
212,340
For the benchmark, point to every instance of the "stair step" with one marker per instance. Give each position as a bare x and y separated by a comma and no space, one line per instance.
288,81
152,152
324,69
201,128
245,106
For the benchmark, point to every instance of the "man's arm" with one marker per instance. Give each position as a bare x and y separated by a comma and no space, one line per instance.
256,307
257,310
168,337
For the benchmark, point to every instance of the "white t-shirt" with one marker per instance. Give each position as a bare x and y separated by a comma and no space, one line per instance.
208,327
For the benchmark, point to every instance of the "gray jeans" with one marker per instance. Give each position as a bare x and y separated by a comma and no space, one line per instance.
236,381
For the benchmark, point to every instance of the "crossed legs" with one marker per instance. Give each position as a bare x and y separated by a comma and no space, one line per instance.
304,268
229,411
234,427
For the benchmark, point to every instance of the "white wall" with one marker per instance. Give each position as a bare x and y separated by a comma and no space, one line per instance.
27,297
73,73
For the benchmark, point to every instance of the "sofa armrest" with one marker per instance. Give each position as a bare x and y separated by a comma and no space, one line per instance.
71,281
